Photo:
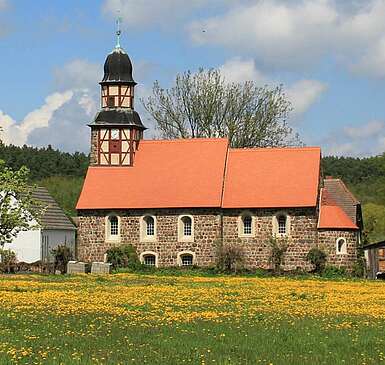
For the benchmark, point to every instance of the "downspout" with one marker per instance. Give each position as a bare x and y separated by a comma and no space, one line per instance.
222,196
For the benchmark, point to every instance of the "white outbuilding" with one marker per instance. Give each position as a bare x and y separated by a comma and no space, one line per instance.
56,229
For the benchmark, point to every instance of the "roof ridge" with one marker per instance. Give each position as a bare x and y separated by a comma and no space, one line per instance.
269,149
183,140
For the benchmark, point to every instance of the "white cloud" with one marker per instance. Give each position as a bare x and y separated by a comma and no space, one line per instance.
366,139
305,93
18,133
294,34
145,13
241,70
302,94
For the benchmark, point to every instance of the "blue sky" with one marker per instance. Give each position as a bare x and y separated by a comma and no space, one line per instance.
329,55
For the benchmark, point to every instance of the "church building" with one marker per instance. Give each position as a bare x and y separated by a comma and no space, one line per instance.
176,200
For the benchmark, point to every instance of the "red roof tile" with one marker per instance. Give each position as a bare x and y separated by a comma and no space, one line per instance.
272,177
332,215
166,174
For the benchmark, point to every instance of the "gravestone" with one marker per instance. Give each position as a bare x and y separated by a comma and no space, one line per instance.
76,267
100,268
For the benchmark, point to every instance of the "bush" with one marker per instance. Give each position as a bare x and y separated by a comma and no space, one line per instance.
277,254
230,257
359,268
62,254
7,260
317,258
123,256
334,272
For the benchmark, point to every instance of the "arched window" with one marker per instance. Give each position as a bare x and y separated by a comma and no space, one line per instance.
281,224
150,226
186,258
185,228
149,258
112,228
341,246
114,225
247,224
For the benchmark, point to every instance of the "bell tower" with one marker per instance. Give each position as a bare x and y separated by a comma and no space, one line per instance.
116,129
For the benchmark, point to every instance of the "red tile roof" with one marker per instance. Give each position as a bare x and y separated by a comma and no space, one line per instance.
166,174
191,173
331,215
272,177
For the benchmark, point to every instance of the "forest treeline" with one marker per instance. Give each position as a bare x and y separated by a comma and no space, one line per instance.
62,174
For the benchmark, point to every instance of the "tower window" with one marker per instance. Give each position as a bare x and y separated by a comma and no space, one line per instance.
111,101
341,246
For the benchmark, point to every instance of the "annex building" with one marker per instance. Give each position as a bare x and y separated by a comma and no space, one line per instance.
174,200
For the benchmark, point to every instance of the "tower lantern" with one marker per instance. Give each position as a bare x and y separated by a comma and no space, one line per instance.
117,129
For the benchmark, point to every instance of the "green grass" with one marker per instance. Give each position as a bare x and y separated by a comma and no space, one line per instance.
28,336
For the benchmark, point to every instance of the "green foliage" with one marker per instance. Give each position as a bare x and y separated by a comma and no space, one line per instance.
44,162
123,256
18,210
374,220
7,260
278,248
62,254
317,258
230,257
333,272
359,268
65,190
203,104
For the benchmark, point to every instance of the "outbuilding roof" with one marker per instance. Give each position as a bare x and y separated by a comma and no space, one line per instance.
54,217
189,173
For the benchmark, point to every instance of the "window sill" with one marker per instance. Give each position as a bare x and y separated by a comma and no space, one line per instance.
186,239
148,239
251,235
113,239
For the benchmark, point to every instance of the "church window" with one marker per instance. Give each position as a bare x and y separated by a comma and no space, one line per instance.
148,228
112,228
149,258
186,228
341,246
186,258
247,223
281,224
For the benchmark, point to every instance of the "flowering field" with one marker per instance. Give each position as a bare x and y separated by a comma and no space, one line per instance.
138,319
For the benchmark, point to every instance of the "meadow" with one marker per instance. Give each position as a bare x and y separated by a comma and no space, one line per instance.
153,319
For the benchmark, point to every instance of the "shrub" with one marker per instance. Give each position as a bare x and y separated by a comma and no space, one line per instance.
278,249
230,257
317,258
7,260
359,268
334,272
62,254
123,256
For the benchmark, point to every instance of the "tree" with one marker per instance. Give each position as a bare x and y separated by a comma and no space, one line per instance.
204,105
18,210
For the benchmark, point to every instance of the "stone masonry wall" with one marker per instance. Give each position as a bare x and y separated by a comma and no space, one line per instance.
207,230
327,241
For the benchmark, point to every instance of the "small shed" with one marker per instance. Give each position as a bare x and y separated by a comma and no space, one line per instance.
375,258
56,229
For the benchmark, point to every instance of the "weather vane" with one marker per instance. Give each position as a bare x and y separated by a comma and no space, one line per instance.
118,30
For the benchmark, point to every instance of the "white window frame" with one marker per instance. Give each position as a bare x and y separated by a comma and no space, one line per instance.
146,253
276,225
344,250
181,236
143,229
187,252
108,236
241,227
